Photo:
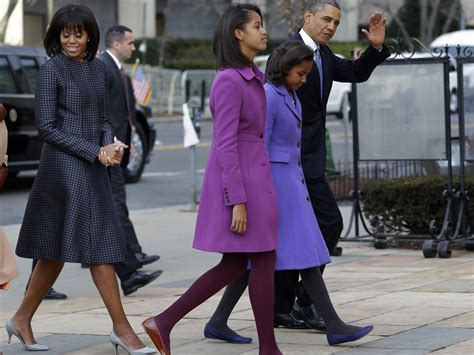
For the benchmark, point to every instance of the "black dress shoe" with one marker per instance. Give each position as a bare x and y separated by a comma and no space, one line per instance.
287,320
146,259
138,280
309,316
55,295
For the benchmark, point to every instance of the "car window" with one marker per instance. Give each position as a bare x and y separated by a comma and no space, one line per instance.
30,68
7,84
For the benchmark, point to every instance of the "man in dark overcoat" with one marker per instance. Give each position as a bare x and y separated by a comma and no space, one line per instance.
119,42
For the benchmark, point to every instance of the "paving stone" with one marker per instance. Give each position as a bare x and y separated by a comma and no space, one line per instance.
464,347
60,344
364,351
415,315
449,286
212,347
465,320
424,338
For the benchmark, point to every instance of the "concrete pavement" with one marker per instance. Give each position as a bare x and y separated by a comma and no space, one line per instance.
417,305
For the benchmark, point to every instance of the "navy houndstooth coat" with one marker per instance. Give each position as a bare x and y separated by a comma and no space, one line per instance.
70,215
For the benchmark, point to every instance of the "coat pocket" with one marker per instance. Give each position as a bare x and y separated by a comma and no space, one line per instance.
277,156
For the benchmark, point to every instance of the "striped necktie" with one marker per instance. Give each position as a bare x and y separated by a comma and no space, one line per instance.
319,65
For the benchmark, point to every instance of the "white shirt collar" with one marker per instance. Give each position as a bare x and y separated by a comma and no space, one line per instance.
119,65
308,40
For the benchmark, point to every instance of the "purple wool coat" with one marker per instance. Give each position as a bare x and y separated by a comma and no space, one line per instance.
238,169
300,242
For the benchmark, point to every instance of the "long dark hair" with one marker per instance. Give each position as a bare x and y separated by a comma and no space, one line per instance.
76,17
284,57
225,46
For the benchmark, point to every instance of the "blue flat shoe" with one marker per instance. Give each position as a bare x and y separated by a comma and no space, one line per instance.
212,333
334,339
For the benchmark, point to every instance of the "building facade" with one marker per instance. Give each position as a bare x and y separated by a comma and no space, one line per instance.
23,22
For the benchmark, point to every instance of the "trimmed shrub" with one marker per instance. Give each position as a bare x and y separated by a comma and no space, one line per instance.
409,204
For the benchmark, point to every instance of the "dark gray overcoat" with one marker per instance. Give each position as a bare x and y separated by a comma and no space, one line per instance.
70,215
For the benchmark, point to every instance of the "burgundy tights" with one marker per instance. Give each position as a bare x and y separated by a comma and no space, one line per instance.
232,267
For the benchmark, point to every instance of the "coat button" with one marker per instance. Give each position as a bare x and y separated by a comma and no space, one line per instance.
261,135
298,144
299,163
302,181
299,124
307,198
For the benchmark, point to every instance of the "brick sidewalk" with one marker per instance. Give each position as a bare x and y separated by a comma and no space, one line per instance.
417,305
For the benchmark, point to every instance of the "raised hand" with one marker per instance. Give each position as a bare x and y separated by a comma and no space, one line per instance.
376,32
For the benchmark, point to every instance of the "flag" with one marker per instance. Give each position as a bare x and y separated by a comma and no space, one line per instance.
141,86
190,135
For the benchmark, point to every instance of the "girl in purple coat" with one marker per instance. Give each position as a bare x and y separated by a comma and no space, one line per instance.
300,243
238,212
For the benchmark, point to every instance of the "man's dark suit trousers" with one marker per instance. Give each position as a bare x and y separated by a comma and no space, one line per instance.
125,268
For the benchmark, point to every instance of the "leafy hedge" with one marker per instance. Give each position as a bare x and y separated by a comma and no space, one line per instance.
409,204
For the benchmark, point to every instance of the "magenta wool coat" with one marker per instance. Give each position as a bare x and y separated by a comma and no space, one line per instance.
238,169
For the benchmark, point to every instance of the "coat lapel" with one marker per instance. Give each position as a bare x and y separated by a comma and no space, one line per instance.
289,102
116,73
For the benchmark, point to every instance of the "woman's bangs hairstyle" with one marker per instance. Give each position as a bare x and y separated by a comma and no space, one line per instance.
225,46
284,57
76,18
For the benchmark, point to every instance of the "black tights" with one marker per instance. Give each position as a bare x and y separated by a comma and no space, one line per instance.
314,285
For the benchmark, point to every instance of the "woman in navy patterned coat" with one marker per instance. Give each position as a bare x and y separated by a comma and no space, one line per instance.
70,215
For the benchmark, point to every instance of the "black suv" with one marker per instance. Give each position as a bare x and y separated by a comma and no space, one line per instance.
18,71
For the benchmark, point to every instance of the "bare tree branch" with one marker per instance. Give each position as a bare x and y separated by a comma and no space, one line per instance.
392,11
401,26
217,6
432,20
450,15
292,12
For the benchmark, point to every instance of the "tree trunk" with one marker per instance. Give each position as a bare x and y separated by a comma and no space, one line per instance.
6,18
164,38
423,19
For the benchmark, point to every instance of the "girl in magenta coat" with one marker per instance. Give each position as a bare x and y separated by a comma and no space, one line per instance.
238,208
300,243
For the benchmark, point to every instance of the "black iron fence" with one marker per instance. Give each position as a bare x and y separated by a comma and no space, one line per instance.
342,181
